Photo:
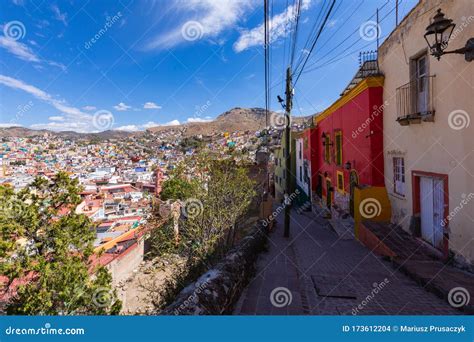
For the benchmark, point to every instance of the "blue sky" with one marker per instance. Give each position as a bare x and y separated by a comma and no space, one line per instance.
67,65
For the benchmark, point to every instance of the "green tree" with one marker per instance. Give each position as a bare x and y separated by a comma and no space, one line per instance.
222,192
225,196
51,252
177,187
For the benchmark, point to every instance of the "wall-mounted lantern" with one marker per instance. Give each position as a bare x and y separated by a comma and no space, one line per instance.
348,165
438,34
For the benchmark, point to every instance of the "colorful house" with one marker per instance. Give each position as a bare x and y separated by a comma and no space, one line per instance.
305,148
428,136
280,167
347,157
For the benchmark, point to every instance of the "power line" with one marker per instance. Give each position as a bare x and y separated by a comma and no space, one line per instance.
311,37
331,61
344,40
315,41
265,46
296,19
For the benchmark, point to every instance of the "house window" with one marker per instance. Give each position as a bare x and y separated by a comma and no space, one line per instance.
327,150
338,138
340,181
399,175
301,174
301,147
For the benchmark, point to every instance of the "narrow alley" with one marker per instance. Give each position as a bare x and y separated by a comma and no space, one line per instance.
314,272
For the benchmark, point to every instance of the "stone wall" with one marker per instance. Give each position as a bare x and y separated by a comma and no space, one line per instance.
123,266
215,292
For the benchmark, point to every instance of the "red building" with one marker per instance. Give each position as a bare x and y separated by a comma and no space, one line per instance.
347,144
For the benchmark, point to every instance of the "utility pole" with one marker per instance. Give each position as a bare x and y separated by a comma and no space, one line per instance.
378,30
289,103
396,12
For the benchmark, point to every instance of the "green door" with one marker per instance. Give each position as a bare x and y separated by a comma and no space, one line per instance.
328,194
353,182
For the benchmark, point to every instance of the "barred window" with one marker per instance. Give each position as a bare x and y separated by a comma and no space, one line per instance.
399,175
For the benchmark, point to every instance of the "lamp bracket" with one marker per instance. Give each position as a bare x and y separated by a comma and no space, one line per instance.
467,50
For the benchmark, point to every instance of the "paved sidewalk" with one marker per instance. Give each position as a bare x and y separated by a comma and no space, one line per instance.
321,274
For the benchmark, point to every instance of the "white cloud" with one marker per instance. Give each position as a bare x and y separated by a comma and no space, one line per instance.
62,17
280,27
63,126
206,119
56,118
151,105
171,123
18,49
209,18
6,125
121,107
23,52
89,108
74,118
150,124
127,128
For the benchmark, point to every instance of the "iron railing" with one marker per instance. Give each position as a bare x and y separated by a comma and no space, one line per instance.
415,100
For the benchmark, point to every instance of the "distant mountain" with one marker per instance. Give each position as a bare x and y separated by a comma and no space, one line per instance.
22,132
236,119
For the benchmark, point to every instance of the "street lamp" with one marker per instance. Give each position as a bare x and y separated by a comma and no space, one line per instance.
438,34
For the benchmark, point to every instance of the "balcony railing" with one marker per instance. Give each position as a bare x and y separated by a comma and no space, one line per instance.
415,101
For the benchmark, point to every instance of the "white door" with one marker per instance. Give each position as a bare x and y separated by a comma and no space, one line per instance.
438,211
422,84
432,208
426,207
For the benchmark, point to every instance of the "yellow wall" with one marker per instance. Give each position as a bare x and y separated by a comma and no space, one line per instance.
372,204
